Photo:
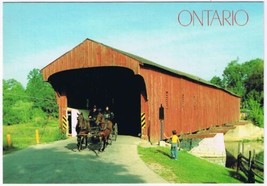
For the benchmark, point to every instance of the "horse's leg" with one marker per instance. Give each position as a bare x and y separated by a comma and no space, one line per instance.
95,152
86,140
79,142
82,141
101,144
110,139
104,144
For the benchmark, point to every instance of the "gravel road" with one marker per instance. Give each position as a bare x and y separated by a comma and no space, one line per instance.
60,162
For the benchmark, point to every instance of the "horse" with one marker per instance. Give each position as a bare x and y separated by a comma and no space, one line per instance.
82,129
106,127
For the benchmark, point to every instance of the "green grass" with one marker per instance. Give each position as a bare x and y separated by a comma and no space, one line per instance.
187,169
23,135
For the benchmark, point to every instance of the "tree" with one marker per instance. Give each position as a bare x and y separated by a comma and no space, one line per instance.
32,104
14,102
254,83
41,93
246,80
233,78
217,81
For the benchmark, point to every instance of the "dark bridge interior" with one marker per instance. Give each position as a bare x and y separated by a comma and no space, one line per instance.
115,87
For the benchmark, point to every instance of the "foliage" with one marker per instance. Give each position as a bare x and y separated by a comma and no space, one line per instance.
41,93
246,80
187,169
14,98
22,111
35,103
233,78
256,112
254,83
217,81
23,135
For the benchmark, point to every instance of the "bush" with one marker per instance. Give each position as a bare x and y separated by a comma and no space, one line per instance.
20,111
38,117
23,135
256,114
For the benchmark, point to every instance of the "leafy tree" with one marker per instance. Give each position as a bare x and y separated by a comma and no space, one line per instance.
32,104
233,78
41,93
21,111
246,80
256,112
217,81
254,83
13,96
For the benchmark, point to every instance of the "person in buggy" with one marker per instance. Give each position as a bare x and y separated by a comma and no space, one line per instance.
93,116
108,115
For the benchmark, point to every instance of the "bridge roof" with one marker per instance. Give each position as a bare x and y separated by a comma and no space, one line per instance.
145,62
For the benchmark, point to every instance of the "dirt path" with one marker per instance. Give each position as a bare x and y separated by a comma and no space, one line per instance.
60,162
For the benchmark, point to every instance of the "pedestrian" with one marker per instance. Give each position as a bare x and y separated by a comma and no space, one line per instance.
175,142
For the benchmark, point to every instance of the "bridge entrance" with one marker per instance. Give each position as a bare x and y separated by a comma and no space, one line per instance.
115,87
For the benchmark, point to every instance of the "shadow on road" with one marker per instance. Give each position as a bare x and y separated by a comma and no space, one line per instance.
71,146
57,165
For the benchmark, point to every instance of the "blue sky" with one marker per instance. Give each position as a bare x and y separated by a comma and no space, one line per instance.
35,34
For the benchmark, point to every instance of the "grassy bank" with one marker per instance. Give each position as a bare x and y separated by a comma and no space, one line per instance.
187,169
23,135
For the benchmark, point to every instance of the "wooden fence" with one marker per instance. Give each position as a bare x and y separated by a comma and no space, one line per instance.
252,168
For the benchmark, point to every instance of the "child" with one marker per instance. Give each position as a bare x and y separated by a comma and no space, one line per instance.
174,144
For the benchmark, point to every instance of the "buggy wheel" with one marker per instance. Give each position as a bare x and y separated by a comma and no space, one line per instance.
101,146
109,140
115,136
115,132
82,142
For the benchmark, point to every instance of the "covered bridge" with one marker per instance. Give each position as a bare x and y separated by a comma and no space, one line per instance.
134,88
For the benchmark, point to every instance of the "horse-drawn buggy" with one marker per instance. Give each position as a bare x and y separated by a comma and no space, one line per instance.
95,135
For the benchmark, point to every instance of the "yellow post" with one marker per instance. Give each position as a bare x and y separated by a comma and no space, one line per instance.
8,136
37,136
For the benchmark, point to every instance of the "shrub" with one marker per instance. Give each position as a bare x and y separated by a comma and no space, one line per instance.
256,113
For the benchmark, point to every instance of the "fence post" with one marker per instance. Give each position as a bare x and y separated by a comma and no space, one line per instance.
37,136
251,176
238,162
8,136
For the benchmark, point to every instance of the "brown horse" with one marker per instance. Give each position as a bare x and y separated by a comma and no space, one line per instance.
82,129
106,127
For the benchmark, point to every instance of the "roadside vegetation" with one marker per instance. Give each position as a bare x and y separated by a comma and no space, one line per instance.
246,80
24,135
28,109
187,169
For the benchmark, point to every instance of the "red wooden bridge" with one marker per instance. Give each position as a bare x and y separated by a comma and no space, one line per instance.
134,88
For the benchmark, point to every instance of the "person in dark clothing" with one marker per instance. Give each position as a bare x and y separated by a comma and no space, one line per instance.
93,116
108,115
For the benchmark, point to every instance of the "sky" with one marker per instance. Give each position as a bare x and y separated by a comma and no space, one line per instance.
35,34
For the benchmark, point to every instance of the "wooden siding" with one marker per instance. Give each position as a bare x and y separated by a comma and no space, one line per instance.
62,106
90,54
189,106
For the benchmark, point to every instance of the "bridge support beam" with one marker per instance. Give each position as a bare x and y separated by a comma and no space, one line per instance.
62,108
